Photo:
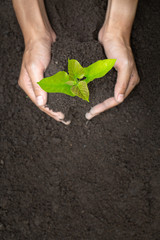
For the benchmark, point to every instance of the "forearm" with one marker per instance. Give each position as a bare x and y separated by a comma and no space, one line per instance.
32,18
120,16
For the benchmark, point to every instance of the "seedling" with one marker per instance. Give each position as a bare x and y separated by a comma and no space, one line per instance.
75,82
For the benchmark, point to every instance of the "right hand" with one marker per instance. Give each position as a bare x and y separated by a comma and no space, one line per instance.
127,77
36,59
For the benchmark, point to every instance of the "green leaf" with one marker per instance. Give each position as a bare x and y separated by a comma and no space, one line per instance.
71,83
61,82
56,84
81,90
75,69
98,69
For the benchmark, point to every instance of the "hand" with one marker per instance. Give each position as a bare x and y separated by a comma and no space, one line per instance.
35,61
127,78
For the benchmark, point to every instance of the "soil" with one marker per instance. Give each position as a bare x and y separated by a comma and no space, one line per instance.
91,180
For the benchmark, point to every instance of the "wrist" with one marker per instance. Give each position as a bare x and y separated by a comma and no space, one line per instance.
112,31
33,20
109,34
38,27
34,36
119,18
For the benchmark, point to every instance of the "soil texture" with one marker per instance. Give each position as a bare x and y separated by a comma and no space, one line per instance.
90,180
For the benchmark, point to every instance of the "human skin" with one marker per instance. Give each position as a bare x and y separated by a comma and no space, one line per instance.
115,38
39,36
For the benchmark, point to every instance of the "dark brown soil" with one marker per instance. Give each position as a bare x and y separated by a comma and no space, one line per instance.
91,180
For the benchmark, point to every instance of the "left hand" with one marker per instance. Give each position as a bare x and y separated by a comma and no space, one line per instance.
127,77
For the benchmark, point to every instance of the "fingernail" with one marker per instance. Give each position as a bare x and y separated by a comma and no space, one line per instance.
40,100
88,116
120,97
92,111
66,123
61,115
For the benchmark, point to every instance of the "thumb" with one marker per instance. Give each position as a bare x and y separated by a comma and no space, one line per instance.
36,74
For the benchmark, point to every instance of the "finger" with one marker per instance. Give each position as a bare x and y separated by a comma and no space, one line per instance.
101,107
58,116
134,80
111,102
36,74
120,89
25,83
123,77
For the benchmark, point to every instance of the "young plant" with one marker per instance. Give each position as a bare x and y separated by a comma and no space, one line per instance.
75,82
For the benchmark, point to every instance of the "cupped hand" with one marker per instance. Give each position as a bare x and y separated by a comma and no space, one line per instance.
127,75
36,59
